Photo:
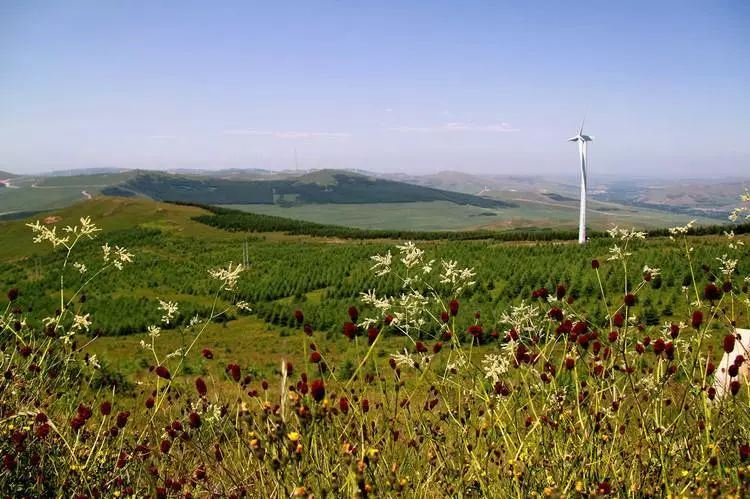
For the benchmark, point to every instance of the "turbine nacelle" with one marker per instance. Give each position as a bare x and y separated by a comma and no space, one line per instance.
580,137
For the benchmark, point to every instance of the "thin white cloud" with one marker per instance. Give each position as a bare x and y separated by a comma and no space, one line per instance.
162,137
458,126
287,134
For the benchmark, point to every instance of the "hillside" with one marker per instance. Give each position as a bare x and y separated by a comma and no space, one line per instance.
337,187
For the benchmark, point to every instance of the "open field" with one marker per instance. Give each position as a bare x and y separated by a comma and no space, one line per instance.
532,212
603,389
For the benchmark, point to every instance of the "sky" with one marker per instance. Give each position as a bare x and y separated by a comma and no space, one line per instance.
412,87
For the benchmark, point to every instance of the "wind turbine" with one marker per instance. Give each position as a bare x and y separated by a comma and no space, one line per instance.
582,140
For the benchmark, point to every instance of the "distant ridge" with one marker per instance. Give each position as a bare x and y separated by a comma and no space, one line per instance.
324,186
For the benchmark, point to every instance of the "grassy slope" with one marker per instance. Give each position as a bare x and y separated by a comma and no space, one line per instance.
110,214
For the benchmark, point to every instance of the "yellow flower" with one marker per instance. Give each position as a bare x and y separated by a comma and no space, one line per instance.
293,436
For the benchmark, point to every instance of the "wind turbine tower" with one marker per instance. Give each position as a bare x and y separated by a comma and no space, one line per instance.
582,141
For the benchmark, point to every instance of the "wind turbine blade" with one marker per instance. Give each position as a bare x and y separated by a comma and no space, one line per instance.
580,131
573,139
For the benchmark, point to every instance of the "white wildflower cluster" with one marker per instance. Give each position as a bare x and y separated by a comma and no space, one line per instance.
382,264
93,361
457,364
409,360
154,331
170,310
243,305
411,256
194,320
676,231
652,271
495,366
625,234
81,323
410,311
728,265
458,278
733,243
80,267
740,212
117,255
380,303
522,318
617,253
228,276
176,353
43,233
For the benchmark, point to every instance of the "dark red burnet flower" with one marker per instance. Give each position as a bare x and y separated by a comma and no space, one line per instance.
365,404
299,316
420,347
541,293
207,354
570,363
372,334
674,330
453,307
12,294
149,403
353,313
388,319
697,319
710,368
477,315
475,330
727,286
318,390
629,300
595,264
712,292
437,346
315,357
308,330
42,430
344,405
734,387
194,420
555,313
234,371
122,419
350,330
201,387
744,450
618,320
659,346
560,291
729,341
612,336
164,446
105,408
163,372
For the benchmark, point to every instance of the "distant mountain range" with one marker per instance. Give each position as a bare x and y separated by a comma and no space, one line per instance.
705,198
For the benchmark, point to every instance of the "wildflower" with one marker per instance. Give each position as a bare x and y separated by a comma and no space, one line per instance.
308,329
744,452
475,330
659,345
293,436
105,408
353,313
81,322
164,446
570,363
234,371
42,431
453,308
207,354
365,404
612,336
315,357
170,310
318,390
388,319
149,403
495,366
734,387
710,368
555,313
163,372
629,300
201,387
697,319
194,420
299,316
711,292
594,264
382,264
344,405
228,276
372,334
12,294
350,330
729,340
560,291
122,419
540,293
437,347
420,347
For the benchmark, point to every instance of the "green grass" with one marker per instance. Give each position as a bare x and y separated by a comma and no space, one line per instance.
439,215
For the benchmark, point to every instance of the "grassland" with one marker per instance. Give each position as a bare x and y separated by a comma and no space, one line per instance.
438,215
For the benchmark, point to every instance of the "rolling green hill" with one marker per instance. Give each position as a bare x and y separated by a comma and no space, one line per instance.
338,188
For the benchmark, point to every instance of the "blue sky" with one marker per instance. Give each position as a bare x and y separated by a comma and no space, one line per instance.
411,87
